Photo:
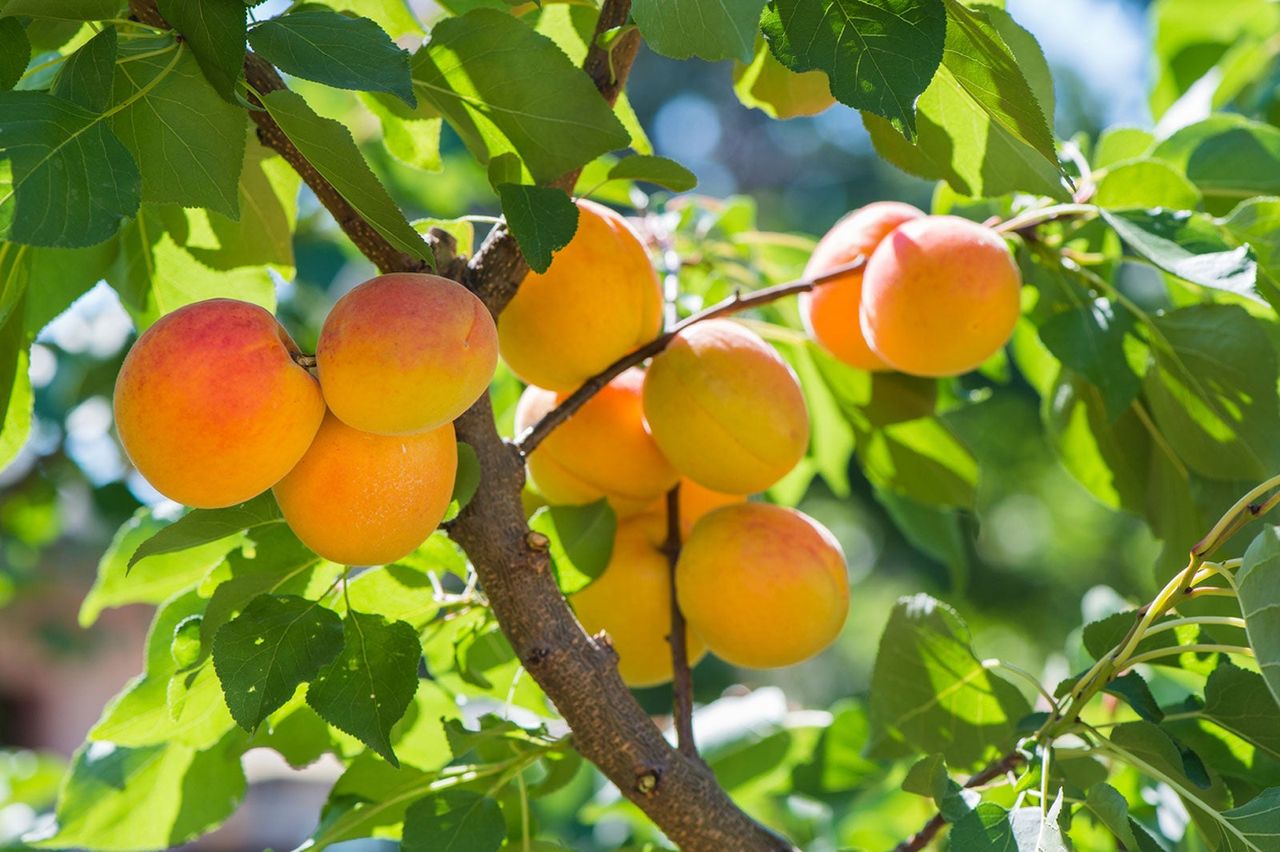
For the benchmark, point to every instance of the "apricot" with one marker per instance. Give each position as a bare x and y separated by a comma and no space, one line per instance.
210,405
764,586
725,408
940,295
358,498
405,353
830,312
604,450
599,300
631,602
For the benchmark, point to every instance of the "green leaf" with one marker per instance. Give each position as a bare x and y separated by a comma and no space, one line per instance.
399,592
329,147
581,541
170,257
1213,391
837,763
467,479
1111,808
67,10
981,128
70,181
1256,223
929,693
264,653
59,277
215,29
155,580
454,820
685,28
183,793
1117,144
201,526
1134,690
660,170
768,85
187,140
85,79
335,49
1228,158
1253,825
1091,340
986,829
15,52
1240,701
879,56
368,687
412,136
1258,581
1107,452
1145,183
543,220
1189,246
16,397
504,87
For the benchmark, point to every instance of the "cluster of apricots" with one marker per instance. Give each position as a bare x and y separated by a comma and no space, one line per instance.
937,296
215,405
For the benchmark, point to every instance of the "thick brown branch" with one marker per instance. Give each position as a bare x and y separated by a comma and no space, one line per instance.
921,838
682,677
569,406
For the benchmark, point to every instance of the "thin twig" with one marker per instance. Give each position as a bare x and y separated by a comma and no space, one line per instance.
682,677
536,434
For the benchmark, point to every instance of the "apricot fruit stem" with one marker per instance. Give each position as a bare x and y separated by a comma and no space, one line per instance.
307,362
682,677
537,433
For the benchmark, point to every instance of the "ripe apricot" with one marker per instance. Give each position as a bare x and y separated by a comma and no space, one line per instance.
725,408
631,601
830,312
405,353
763,585
599,300
604,450
358,498
940,295
210,405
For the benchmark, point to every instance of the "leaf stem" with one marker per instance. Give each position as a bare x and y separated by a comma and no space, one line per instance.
1188,649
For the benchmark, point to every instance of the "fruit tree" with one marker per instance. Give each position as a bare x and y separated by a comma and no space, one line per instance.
469,525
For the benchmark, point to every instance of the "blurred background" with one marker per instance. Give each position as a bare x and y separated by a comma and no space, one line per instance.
1043,546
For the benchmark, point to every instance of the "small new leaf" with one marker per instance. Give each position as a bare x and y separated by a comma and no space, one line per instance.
337,50
277,643
367,689
543,220
652,169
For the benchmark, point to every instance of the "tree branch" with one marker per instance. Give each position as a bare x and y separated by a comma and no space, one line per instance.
578,673
569,406
681,677
921,838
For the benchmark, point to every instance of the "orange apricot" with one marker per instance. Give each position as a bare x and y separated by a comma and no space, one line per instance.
725,408
764,586
358,498
940,295
599,300
405,353
603,450
210,405
631,602
830,312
